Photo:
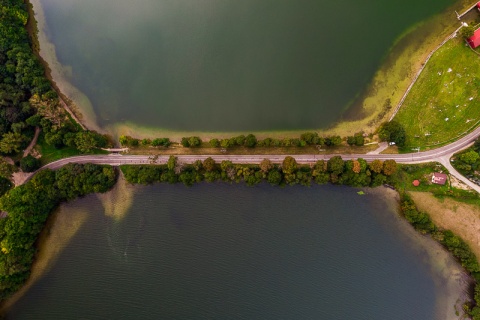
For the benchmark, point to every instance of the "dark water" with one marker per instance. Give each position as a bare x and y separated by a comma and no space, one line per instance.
234,252
226,65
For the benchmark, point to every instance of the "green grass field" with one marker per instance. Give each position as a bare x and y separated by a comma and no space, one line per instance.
50,153
444,104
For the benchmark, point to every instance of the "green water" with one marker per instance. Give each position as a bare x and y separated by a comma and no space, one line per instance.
216,251
225,65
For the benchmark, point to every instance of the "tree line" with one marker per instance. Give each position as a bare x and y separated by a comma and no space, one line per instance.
249,141
390,131
28,207
357,173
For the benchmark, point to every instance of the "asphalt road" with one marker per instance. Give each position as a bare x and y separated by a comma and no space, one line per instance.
441,155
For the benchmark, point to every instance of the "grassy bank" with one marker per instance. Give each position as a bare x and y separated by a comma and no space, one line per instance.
444,104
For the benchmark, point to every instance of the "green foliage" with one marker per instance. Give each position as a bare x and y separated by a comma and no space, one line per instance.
214,143
129,141
28,207
335,165
461,251
85,141
289,165
161,142
209,164
29,164
171,163
274,177
392,131
191,142
469,157
357,139
333,141
467,32
12,142
250,141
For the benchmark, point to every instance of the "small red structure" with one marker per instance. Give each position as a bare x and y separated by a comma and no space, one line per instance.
478,5
416,183
439,178
474,41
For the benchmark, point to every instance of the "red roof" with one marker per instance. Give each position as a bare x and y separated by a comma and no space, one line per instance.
474,41
478,5
416,183
439,178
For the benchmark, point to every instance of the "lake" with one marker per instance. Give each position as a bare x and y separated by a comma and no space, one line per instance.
216,251
221,65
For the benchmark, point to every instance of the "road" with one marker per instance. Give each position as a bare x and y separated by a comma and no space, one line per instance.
441,155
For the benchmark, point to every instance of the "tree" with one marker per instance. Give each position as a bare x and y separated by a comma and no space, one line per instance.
469,157
29,164
389,167
214,143
376,166
185,142
194,142
335,165
351,140
359,139
171,163
310,138
225,143
209,164
468,31
240,140
392,132
357,168
54,139
266,165
250,141
289,165
6,169
274,177
333,141
12,142
85,141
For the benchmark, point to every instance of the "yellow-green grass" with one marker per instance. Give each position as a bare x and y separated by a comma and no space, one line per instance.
444,104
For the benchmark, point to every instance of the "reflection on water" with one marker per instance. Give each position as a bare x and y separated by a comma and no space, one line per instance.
218,251
212,65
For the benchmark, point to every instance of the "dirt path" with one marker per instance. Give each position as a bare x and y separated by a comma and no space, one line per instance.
33,143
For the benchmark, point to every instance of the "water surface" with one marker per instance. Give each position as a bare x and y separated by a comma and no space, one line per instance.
223,65
234,252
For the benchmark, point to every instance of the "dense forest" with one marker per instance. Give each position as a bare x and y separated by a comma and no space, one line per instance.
27,99
28,207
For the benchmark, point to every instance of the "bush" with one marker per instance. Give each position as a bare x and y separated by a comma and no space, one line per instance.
29,164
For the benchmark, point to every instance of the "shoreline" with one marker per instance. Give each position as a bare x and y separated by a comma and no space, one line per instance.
143,132
443,264
371,103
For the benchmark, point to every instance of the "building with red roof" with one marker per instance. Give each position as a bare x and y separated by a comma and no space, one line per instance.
416,183
474,41
439,178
